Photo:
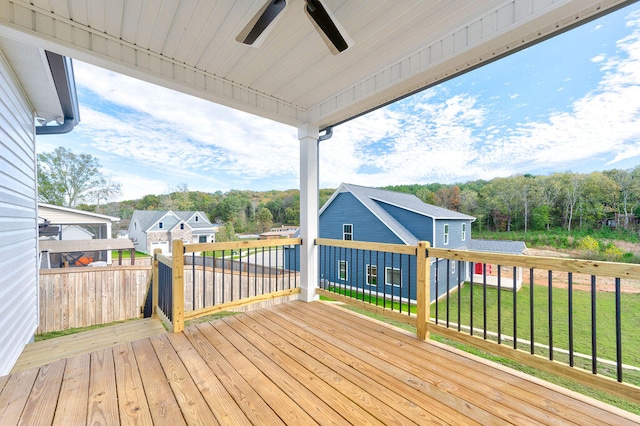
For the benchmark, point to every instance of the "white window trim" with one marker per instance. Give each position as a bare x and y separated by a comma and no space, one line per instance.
369,275
346,270
464,232
453,266
386,276
445,234
345,233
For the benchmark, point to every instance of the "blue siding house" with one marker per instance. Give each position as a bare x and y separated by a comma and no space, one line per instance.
367,214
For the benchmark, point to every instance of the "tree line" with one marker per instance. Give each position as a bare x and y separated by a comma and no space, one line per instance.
527,202
518,203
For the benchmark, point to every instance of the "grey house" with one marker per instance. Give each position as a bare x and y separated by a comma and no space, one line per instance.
151,230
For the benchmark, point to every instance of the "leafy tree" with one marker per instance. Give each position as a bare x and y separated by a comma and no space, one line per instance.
426,196
67,179
106,190
265,218
448,197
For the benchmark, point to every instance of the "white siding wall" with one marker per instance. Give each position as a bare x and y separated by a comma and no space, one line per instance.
18,221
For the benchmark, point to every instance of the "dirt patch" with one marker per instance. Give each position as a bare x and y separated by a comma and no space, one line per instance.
580,282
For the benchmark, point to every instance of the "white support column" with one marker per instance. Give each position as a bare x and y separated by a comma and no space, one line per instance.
308,136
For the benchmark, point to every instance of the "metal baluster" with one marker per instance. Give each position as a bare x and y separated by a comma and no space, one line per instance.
618,332
473,271
515,311
550,283
448,285
594,340
499,305
570,312
531,312
484,300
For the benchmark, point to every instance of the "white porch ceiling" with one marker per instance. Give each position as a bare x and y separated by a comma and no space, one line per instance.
399,47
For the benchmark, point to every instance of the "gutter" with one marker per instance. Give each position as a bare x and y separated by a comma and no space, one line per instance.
62,72
327,135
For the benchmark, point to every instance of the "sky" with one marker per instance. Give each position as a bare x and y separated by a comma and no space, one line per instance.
571,103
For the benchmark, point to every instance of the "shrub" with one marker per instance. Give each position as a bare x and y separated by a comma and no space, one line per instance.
612,252
588,243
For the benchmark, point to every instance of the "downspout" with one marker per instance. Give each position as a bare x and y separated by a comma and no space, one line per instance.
62,72
328,132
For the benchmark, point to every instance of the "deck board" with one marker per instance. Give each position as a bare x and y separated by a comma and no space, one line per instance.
293,363
473,388
41,405
46,351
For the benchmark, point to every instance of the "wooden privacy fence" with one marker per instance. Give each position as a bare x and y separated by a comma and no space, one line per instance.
81,297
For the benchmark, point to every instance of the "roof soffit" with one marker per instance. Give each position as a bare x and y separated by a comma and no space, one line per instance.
399,47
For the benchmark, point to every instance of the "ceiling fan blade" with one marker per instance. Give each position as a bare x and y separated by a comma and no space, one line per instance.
325,25
261,21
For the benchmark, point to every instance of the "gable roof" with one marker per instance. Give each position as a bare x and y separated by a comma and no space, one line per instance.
68,216
372,197
148,218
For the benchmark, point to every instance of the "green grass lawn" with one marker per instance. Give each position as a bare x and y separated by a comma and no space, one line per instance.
126,255
605,321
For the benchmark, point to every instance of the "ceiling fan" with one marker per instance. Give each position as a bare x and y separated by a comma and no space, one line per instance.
314,9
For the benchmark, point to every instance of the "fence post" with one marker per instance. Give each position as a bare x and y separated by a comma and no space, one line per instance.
155,284
177,255
423,283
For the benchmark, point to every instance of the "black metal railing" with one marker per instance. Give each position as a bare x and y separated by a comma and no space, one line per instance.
165,290
381,275
224,273
562,315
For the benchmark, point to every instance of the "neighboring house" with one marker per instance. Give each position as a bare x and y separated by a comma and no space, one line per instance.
487,273
367,214
29,77
74,224
150,230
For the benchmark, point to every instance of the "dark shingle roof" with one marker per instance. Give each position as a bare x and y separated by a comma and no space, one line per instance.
497,246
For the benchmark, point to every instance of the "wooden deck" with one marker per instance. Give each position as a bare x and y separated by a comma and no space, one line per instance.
295,363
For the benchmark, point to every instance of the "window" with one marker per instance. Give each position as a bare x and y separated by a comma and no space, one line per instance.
392,277
343,270
372,275
453,266
347,232
464,232
160,225
196,218
182,226
446,234
202,239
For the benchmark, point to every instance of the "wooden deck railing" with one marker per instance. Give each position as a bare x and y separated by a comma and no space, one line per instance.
542,325
212,277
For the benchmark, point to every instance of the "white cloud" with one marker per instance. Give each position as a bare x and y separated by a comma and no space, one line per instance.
433,136
174,130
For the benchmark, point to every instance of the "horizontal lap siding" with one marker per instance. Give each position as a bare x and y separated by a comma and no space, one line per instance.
18,221
345,209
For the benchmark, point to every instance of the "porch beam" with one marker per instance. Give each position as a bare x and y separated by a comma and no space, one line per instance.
308,137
